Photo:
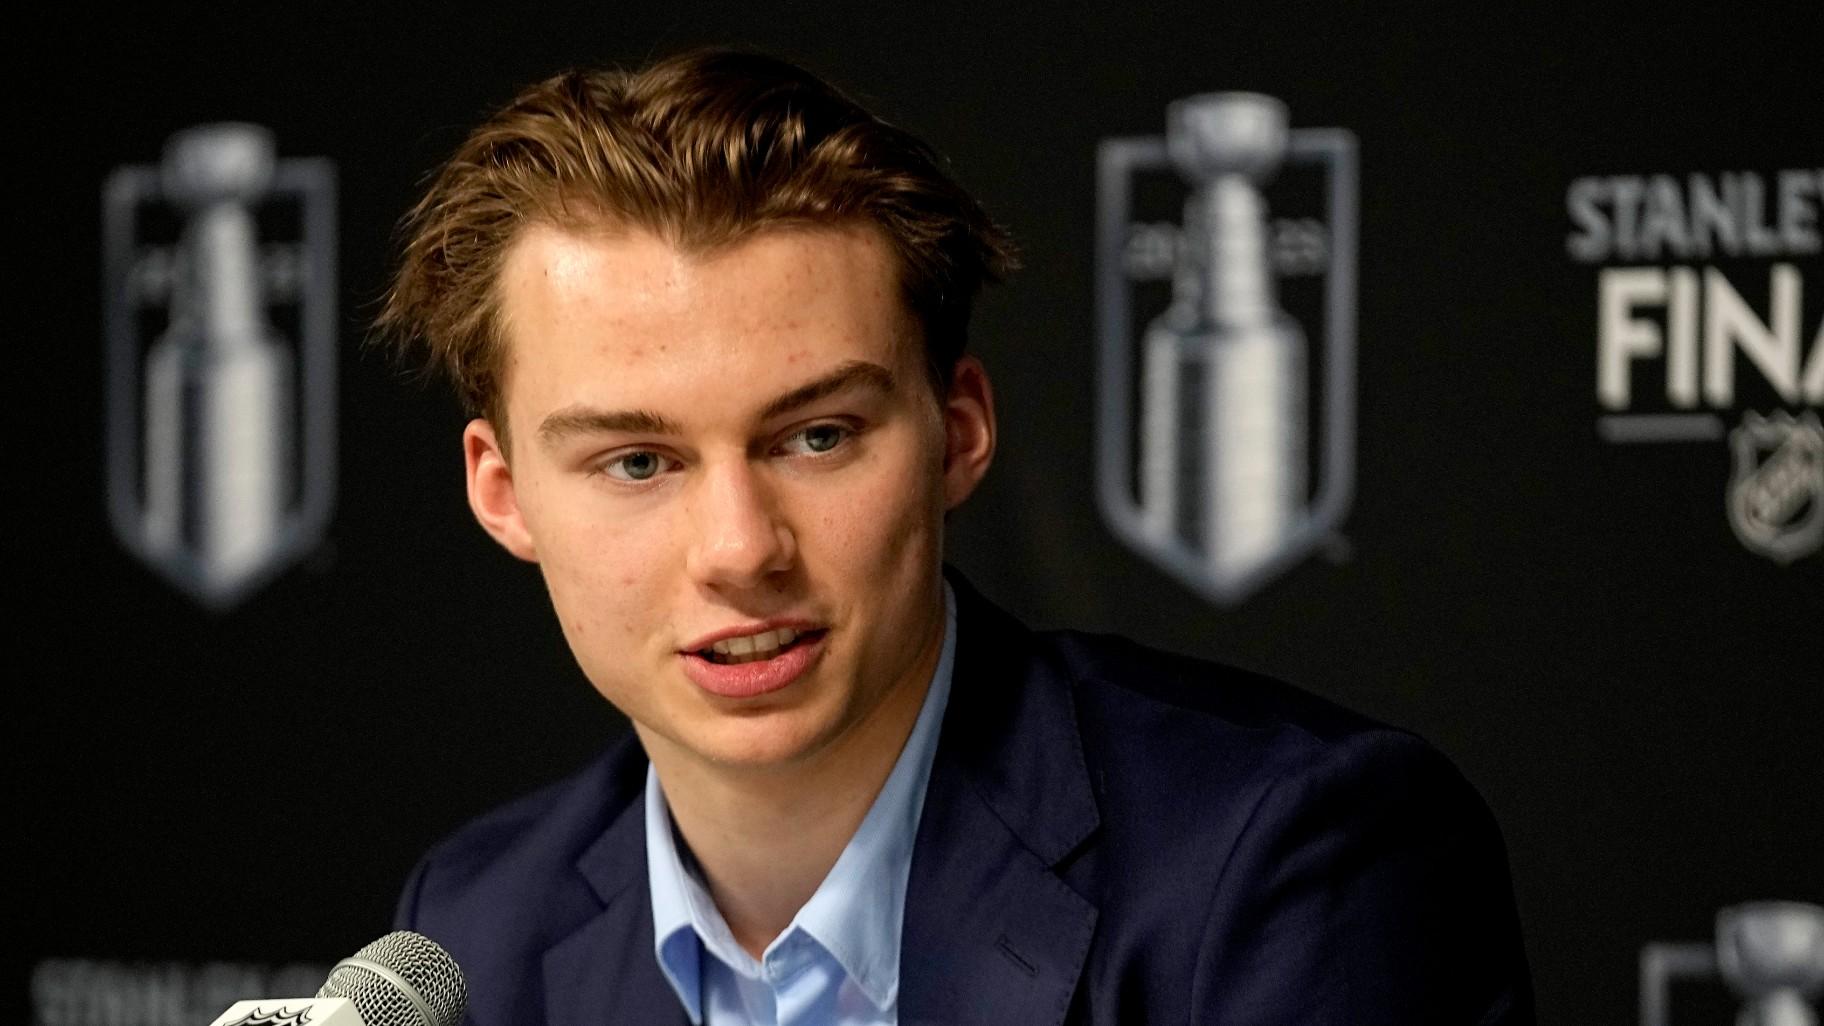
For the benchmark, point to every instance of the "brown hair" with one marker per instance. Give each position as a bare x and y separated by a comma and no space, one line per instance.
702,149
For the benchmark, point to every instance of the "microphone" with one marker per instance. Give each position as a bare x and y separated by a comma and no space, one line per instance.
402,979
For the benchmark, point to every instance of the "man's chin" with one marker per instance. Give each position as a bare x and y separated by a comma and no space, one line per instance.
754,742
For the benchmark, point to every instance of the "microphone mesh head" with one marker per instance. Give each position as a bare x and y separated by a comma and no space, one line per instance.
434,986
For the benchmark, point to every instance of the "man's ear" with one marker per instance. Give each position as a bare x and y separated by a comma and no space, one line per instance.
969,430
491,493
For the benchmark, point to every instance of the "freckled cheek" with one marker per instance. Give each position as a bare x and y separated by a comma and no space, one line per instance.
883,526
610,629
605,584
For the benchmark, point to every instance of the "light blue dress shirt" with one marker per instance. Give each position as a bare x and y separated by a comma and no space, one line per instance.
838,961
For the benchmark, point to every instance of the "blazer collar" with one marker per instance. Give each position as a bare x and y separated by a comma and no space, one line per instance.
1011,727
991,934
605,970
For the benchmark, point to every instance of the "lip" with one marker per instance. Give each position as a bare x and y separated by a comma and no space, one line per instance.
742,630
749,680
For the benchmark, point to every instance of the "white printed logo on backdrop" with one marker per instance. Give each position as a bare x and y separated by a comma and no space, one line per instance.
219,306
1228,473
1770,954
95,992
1688,264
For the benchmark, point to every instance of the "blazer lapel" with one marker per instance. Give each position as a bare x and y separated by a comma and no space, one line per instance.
991,934
605,970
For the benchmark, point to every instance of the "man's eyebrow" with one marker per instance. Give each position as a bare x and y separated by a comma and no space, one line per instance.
584,420
853,374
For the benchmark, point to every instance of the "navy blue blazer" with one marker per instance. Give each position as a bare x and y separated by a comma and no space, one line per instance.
1110,835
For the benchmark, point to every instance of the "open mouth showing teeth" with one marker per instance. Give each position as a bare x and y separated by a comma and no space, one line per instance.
755,647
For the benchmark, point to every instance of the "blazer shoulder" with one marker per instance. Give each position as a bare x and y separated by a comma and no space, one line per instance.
526,849
1201,693
1176,735
1257,825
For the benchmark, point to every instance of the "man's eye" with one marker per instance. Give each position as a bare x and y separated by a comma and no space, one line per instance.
818,438
636,466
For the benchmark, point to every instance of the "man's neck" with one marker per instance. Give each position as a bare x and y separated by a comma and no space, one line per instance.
765,839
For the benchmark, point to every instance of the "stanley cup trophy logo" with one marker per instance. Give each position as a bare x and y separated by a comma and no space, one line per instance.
221,425
1770,953
1212,478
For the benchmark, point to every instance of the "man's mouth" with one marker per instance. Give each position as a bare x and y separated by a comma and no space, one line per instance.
752,648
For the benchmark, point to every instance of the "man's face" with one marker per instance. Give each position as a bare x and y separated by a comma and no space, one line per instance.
739,448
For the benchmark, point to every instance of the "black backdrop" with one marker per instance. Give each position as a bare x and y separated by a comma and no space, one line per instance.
1636,693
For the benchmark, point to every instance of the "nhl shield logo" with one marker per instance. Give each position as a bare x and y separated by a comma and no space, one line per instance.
220,327
1776,491
1214,461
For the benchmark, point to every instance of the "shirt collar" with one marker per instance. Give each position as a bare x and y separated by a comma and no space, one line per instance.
856,913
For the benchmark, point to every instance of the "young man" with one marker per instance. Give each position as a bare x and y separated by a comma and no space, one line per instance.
710,319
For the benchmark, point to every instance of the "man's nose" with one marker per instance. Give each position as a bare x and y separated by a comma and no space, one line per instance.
740,537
